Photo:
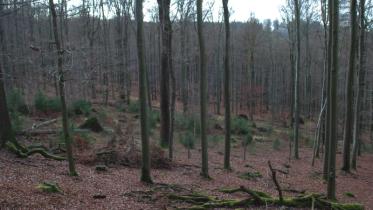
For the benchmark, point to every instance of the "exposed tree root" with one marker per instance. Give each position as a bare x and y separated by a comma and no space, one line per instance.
24,152
258,198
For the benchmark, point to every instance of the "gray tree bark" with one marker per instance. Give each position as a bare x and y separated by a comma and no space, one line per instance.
61,86
227,164
349,92
166,60
145,167
6,126
333,101
360,86
296,81
203,90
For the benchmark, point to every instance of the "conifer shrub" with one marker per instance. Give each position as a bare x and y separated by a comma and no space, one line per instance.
134,107
16,102
46,104
81,107
187,139
240,126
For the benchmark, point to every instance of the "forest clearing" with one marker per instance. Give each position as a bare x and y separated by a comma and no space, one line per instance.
186,104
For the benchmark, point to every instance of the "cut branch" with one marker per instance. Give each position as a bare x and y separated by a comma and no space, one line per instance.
278,187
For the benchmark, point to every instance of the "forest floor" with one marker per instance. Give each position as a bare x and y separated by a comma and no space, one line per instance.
120,188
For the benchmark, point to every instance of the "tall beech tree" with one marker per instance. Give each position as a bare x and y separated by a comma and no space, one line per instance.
145,166
348,127
166,65
227,88
328,100
6,126
334,6
185,8
296,80
203,89
360,86
320,130
61,87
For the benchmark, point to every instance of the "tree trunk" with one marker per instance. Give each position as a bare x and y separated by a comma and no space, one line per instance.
333,100
349,92
296,81
203,89
308,82
106,55
226,88
324,90
328,110
6,126
252,97
61,85
120,51
172,114
183,59
360,86
166,60
127,64
145,167
218,80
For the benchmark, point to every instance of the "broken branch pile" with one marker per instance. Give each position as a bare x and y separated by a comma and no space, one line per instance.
257,198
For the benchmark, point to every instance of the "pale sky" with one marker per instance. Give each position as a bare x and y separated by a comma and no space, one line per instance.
241,10
263,9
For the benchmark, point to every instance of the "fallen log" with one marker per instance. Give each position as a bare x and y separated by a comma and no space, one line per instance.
36,132
35,126
46,132
258,198
294,191
33,132
24,152
194,198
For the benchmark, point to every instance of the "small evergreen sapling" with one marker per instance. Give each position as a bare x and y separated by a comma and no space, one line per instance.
246,141
188,141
